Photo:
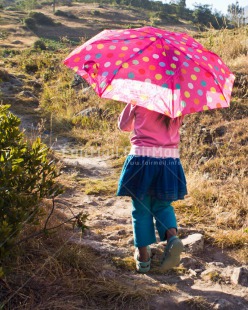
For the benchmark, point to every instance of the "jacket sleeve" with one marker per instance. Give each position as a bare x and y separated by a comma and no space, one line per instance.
126,118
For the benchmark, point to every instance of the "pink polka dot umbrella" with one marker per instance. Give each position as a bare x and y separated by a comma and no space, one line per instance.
164,71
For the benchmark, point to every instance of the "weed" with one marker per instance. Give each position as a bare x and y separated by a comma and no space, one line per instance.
198,303
100,186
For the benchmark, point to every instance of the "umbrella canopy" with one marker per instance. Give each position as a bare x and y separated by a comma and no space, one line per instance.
164,71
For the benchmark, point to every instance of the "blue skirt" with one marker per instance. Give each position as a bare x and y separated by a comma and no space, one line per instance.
162,178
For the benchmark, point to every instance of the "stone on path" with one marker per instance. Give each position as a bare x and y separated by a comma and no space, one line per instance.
193,243
240,276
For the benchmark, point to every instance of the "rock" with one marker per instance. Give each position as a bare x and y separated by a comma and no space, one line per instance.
93,203
193,243
192,272
185,231
203,160
210,274
90,111
110,202
189,263
240,276
121,232
130,240
217,264
223,304
117,234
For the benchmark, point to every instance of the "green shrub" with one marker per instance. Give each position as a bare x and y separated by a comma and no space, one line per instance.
39,44
30,23
26,176
41,19
96,13
65,14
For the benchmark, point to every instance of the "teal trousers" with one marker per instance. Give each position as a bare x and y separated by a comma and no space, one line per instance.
148,213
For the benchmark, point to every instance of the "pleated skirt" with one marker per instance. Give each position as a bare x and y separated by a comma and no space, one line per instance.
162,178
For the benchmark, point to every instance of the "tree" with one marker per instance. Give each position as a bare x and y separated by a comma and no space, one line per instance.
236,13
181,6
203,14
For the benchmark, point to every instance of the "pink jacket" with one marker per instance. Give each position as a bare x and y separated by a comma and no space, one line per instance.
149,130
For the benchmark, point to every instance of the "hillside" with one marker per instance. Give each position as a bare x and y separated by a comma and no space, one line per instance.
84,21
64,268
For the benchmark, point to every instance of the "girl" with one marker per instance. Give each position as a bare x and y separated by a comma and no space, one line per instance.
153,177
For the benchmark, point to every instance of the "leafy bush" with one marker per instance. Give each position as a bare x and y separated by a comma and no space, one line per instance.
65,14
96,13
41,18
26,176
39,44
30,23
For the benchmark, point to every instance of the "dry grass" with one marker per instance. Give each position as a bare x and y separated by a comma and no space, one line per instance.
51,271
99,186
230,45
198,303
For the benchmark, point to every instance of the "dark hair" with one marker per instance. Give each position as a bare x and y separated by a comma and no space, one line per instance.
167,120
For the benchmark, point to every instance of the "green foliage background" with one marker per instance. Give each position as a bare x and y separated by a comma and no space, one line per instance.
26,175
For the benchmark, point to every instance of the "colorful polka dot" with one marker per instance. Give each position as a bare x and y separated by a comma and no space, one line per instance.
209,99
125,65
158,76
107,64
187,94
183,103
142,71
145,59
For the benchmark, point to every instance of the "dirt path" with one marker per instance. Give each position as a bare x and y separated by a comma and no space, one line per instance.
203,280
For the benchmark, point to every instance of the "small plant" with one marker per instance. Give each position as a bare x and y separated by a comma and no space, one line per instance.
30,23
39,44
41,19
96,13
65,14
198,303
26,175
